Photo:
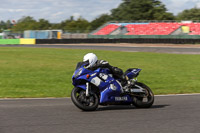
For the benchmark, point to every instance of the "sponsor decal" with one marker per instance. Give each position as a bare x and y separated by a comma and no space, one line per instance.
134,71
103,76
93,74
113,87
96,81
121,98
110,75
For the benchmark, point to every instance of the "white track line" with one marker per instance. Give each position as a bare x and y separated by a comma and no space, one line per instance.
32,98
168,95
192,94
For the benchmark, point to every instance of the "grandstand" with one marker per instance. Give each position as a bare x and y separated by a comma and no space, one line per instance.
150,28
107,29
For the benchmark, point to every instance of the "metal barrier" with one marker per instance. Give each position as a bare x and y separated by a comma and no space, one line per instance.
17,41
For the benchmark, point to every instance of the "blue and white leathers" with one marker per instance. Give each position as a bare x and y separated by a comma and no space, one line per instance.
110,89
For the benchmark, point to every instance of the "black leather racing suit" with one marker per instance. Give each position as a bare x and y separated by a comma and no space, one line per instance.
117,72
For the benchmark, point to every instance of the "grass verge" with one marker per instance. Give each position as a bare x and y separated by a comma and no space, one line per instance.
46,72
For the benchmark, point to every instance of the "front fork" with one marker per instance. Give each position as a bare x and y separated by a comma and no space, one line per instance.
87,89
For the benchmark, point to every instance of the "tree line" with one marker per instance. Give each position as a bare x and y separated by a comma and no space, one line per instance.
128,10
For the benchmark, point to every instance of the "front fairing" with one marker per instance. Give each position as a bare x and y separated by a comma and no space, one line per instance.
97,77
80,74
110,89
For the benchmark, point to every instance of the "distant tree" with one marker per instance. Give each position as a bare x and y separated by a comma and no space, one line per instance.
2,26
72,18
25,23
66,22
27,19
2,22
76,26
43,24
141,10
8,24
189,14
56,26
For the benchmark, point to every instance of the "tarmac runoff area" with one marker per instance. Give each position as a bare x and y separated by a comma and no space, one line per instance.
157,48
169,114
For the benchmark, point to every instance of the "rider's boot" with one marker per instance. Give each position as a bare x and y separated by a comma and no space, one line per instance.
124,80
125,84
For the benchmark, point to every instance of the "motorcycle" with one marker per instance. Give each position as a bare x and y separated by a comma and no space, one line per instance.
100,87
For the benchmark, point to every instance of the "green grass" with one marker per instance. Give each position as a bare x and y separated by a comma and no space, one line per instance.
46,72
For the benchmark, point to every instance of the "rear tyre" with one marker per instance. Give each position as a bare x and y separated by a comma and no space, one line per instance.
144,100
84,103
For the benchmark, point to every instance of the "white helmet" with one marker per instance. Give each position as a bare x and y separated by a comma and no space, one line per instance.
92,58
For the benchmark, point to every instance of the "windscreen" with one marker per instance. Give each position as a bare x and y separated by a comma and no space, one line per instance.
79,64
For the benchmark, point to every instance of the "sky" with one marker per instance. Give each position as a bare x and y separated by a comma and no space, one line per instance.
59,10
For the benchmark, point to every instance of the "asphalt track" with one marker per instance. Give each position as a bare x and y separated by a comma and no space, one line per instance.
169,114
133,48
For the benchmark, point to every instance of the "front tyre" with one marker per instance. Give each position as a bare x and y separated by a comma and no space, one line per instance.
144,100
84,103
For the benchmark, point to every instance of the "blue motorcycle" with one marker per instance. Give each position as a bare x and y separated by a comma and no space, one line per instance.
101,87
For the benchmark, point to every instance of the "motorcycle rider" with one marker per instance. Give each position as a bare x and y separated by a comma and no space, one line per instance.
93,63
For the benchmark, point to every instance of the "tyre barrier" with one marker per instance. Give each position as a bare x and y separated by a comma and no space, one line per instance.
124,40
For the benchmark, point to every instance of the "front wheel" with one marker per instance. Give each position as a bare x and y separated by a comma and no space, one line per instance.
144,100
83,102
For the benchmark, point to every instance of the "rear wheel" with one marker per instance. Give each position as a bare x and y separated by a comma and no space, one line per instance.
83,102
144,100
